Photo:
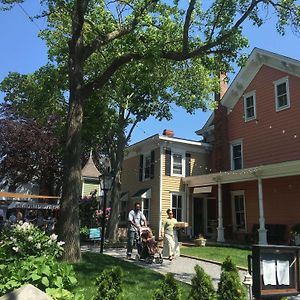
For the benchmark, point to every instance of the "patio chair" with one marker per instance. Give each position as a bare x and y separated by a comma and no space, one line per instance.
94,235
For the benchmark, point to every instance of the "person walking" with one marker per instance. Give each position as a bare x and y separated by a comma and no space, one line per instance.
170,239
136,219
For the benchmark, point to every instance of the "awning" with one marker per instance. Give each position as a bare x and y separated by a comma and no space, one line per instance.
17,195
143,193
283,169
32,205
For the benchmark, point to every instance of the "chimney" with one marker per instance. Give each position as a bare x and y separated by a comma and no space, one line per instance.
168,132
223,86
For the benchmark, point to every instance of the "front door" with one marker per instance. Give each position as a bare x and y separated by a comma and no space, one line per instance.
199,216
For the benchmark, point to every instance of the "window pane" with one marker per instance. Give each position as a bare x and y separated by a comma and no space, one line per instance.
281,94
177,163
147,166
179,215
174,201
250,112
249,101
281,89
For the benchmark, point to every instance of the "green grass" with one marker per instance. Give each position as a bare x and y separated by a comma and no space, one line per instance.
139,283
238,256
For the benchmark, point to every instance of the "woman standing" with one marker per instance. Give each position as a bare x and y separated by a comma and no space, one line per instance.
171,245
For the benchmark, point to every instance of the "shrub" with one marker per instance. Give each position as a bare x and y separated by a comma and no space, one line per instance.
168,289
24,239
109,284
230,286
43,272
202,287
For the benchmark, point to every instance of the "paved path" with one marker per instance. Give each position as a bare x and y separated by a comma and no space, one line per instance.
181,267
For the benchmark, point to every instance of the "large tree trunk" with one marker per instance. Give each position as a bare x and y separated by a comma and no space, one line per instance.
69,209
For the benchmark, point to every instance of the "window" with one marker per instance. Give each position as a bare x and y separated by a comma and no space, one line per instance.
147,165
238,210
146,208
177,164
250,106
236,156
282,94
177,206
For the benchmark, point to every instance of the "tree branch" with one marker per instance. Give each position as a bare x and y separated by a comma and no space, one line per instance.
185,40
104,39
118,62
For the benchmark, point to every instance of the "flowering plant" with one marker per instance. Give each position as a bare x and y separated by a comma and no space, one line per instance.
99,215
25,239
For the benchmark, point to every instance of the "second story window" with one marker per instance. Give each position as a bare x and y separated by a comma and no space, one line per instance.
250,106
236,152
282,95
177,164
147,166
177,206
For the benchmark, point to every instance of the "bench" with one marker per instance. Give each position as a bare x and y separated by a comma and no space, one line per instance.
94,234
276,234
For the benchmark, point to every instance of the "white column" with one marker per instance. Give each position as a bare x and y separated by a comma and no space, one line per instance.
262,232
220,229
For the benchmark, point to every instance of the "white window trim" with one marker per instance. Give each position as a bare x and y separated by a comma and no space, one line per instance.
149,209
250,94
182,153
232,144
183,203
237,193
277,82
147,154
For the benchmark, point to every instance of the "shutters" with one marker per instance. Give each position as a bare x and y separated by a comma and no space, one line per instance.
152,165
141,168
168,162
187,164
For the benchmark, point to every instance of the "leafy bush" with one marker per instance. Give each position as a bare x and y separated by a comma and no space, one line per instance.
230,286
24,239
109,284
202,287
168,290
43,272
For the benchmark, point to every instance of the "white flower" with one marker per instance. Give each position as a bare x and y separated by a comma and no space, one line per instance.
25,226
30,238
13,239
49,242
16,249
60,243
53,237
38,245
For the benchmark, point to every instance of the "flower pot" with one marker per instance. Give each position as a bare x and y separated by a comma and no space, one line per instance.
200,242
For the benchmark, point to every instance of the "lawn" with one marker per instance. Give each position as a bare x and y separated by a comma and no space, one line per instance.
238,256
139,283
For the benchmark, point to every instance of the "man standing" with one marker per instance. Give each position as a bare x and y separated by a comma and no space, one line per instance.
136,219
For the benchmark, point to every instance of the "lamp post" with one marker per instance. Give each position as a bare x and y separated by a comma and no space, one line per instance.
106,183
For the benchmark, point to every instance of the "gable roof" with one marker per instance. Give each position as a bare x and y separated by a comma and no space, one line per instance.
90,170
258,57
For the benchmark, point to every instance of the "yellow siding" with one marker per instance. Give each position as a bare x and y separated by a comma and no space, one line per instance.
89,187
131,184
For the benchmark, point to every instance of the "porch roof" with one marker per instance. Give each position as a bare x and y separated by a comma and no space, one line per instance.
283,169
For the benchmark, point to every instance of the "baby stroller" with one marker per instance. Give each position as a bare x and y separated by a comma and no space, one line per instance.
147,248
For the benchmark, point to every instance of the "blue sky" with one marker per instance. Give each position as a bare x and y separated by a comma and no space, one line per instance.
22,51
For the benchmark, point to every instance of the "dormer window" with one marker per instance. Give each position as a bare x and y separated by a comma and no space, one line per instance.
282,94
250,106
236,153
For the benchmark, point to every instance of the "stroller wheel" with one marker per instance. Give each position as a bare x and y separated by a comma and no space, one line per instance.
149,260
159,260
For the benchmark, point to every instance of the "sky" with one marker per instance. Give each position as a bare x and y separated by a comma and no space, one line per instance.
22,51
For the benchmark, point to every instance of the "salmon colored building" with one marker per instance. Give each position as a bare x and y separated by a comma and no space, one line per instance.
252,193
